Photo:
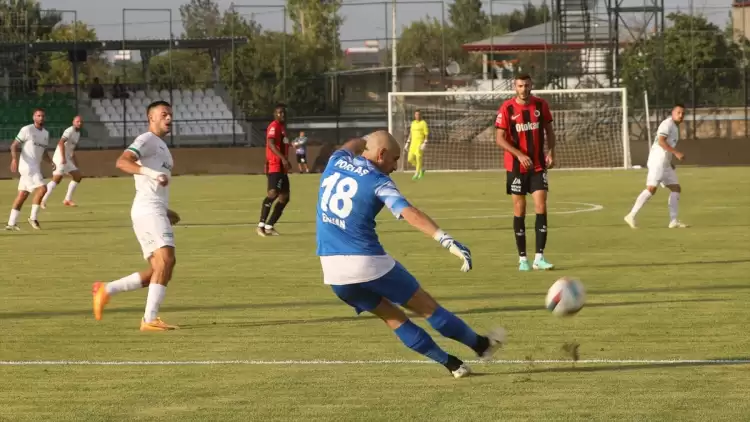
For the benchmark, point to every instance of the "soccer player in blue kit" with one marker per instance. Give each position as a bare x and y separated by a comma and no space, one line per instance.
354,188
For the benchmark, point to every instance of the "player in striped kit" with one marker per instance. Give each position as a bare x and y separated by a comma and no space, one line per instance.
65,163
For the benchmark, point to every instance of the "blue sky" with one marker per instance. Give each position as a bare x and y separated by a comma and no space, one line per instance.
362,21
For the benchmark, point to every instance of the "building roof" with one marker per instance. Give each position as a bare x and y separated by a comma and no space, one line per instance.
540,37
112,45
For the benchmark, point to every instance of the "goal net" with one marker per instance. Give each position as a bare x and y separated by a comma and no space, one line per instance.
590,127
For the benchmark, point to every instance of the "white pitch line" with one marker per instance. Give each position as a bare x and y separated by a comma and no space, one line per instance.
368,362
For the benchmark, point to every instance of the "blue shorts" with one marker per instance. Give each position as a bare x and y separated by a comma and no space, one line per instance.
397,285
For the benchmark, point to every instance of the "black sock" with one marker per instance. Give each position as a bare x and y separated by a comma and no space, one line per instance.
265,209
483,343
453,363
277,210
541,232
519,228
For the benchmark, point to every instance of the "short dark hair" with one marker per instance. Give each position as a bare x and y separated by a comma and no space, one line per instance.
418,111
280,106
680,105
38,109
157,104
522,77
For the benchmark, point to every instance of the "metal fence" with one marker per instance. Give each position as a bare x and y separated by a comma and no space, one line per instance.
225,95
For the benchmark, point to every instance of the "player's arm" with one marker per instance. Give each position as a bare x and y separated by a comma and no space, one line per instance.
426,133
128,163
173,217
665,145
14,155
550,132
61,145
46,157
400,207
501,137
272,146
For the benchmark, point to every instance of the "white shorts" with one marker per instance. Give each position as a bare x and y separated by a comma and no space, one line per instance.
153,232
62,169
30,182
664,175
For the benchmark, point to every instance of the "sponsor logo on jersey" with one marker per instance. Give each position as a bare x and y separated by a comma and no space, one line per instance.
358,170
333,220
167,166
523,127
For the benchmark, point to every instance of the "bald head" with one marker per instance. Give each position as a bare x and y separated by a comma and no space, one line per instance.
382,149
377,141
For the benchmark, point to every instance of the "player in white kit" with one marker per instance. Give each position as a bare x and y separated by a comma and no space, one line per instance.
65,163
661,170
149,161
34,140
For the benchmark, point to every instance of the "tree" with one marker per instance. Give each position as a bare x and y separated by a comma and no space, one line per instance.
58,69
530,15
316,25
421,43
201,19
469,21
692,59
24,21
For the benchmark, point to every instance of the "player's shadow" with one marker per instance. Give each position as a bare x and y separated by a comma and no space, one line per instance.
628,367
257,306
526,308
662,264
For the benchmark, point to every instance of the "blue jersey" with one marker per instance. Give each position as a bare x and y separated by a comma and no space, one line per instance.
352,193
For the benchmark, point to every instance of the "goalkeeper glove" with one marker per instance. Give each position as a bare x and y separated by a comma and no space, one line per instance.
455,248
423,146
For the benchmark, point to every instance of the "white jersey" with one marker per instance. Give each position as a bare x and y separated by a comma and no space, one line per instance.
34,142
150,197
658,156
70,137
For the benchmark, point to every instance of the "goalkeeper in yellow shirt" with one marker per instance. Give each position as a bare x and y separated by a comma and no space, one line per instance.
416,144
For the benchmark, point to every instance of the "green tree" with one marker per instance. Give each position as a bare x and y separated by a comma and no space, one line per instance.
693,59
468,20
201,19
58,69
316,24
24,21
421,43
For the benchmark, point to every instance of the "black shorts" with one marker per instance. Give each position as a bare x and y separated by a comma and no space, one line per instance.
525,183
302,158
278,182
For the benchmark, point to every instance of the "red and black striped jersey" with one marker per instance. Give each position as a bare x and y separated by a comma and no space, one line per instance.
524,129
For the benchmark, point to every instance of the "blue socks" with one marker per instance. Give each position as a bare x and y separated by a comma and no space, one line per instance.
453,327
417,339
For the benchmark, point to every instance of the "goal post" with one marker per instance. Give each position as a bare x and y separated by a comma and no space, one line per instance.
591,127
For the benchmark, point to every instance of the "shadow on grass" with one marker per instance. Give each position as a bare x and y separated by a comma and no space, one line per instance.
333,302
629,367
477,311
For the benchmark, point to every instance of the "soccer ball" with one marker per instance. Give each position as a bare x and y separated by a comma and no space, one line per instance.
565,297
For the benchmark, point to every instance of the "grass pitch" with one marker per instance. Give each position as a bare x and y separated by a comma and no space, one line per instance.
653,294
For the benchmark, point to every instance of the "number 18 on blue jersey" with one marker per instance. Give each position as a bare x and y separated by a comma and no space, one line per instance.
352,193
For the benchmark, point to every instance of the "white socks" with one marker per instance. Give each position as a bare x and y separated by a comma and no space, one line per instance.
674,203
156,293
50,186
34,212
71,189
13,217
125,284
640,202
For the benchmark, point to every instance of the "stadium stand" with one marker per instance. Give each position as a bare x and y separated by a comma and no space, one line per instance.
196,113
17,111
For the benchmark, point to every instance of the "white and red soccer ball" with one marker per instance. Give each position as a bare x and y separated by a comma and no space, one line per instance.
566,297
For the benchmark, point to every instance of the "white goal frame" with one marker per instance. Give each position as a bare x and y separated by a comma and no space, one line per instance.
627,159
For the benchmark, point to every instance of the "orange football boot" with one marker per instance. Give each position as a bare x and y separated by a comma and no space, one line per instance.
101,298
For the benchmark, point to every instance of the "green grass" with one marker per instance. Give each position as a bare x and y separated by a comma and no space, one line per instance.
653,293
